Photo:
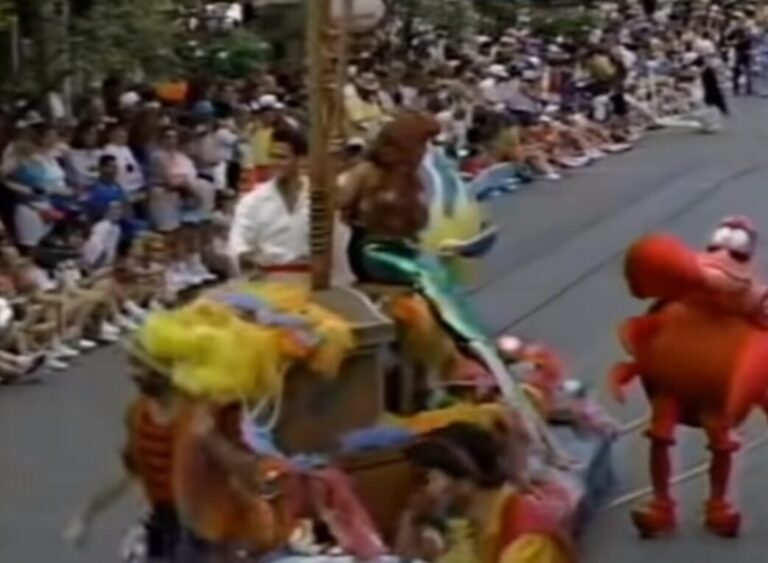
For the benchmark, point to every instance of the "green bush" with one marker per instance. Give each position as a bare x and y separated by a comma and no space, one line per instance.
572,27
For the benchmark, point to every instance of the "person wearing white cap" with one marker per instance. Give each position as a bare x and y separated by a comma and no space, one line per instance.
267,117
495,75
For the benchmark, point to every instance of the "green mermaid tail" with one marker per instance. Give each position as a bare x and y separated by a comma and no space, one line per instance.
403,264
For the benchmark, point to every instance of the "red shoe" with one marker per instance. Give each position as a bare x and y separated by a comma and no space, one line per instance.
655,519
722,519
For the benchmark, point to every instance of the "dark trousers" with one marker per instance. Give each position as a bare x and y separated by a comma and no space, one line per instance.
163,533
742,68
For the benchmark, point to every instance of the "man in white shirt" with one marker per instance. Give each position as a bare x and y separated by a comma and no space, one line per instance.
270,229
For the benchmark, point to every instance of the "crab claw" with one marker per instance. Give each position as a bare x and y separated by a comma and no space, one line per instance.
662,267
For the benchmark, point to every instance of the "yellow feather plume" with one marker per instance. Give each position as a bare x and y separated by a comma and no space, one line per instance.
217,354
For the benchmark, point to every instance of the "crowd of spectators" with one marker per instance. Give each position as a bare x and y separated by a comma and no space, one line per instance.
117,205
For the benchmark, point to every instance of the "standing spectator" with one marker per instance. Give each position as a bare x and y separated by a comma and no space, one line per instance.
33,185
82,160
740,39
365,114
129,173
180,205
267,117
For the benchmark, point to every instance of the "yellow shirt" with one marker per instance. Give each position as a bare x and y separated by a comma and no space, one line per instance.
364,117
261,146
532,548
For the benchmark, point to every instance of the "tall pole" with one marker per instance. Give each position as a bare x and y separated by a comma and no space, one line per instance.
326,44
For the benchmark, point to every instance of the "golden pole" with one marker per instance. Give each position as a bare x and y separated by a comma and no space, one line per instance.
326,47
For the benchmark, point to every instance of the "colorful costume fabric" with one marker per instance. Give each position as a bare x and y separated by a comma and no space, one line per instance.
148,455
521,530
237,344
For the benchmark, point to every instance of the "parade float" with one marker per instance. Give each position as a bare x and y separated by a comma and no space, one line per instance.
298,453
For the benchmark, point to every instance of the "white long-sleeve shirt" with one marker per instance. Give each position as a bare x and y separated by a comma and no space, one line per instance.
266,230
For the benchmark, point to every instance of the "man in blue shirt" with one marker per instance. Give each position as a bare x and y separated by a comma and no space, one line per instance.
106,190
105,193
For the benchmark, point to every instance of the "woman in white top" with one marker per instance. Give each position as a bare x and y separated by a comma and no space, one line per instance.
130,175
82,161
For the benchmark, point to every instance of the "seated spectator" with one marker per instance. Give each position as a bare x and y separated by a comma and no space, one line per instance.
139,281
16,357
100,260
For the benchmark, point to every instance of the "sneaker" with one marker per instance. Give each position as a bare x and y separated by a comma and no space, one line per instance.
108,337
55,364
574,161
109,328
190,277
86,345
30,364
175,278
64,352
553,176
135,311
596,154
204,273
126,324
617,147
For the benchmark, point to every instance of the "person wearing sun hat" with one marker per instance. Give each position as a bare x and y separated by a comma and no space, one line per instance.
364,112
266,111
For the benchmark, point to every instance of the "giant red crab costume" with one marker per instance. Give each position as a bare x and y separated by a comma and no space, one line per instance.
701,352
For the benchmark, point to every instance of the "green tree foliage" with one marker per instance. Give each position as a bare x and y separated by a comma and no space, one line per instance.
496,15
573,26
233,54
457,17
124,35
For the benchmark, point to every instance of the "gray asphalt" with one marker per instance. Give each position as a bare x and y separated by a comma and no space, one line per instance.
555,276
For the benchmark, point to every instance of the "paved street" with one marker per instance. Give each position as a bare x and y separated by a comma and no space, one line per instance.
555,276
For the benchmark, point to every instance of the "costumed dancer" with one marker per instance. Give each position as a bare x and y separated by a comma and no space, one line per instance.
701,352
385,204
237,496
467,477
384,199
152,425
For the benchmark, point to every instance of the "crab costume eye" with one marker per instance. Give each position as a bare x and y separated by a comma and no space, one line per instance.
736,241
720,238
740,241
